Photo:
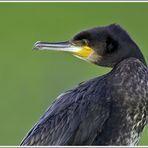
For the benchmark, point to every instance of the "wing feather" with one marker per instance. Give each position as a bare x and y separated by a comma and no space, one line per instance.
75,118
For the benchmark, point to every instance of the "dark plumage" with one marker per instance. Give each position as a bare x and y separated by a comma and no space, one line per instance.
107,110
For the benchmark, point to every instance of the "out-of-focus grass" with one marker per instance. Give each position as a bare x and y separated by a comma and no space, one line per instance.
31,80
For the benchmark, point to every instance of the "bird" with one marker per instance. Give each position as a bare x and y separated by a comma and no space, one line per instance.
111,109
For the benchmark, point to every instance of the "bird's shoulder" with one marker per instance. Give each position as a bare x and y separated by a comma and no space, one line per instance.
89,92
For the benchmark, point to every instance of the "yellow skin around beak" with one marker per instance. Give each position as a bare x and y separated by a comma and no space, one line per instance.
84,52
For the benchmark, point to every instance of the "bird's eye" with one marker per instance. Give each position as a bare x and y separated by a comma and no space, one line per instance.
84,42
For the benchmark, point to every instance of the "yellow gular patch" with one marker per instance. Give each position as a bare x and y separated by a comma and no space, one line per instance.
84,51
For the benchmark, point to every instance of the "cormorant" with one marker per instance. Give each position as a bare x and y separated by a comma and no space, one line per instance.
108,110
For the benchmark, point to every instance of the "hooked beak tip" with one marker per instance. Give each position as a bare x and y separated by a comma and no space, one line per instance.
36,45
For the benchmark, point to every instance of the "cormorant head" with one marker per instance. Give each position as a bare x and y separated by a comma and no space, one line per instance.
104,46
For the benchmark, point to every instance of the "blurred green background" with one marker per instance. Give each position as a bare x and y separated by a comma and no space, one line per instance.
31,80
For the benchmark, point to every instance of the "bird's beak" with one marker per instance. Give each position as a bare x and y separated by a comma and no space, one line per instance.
75,49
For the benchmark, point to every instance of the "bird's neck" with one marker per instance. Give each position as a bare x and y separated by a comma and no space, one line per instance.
130,64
